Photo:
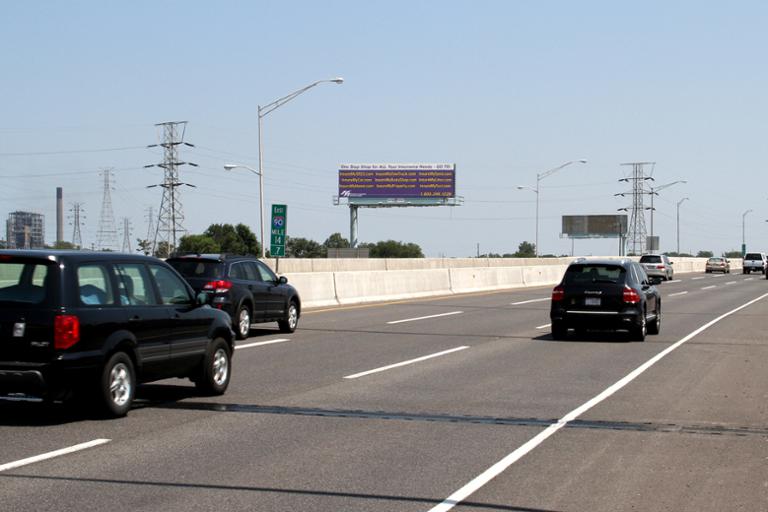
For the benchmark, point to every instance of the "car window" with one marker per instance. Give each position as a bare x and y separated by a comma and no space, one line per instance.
23,282
197,268
172,288
265,272
134,285
239,270
595,273
650,258
94,285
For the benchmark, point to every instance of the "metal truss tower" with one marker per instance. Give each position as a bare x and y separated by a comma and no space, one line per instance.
170,221
106,236
77,215
636,232
126,235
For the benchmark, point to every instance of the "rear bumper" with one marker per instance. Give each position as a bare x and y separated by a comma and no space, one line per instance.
585,319
41,380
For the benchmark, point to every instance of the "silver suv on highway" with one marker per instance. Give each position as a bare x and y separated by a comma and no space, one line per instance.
657,265
754,261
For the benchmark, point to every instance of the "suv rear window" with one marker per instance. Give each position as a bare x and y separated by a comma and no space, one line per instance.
651,258
197,268
753,256
23,282
586,274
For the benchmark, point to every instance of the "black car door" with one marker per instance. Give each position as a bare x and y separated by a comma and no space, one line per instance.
243,275
276,300
648,290
189,323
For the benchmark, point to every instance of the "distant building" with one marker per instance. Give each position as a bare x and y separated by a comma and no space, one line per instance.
25,230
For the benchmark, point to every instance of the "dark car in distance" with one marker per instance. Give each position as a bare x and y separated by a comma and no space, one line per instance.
99,323
244,287
606,294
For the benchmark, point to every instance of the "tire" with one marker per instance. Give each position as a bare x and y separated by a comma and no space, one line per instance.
215,371
559,330
291,319
654,327
117,385
639,332
242,322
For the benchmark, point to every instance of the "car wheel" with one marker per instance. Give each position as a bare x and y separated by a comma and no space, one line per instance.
216,369
291,319
654,327
639,332
243,322
117,385
559,330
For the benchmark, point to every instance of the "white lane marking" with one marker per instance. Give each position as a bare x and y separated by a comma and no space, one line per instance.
51,455
544,326
260,343
425,317
675,294
404,363
731,282
709,287
749,278
675,281
697,278
529,301
495,470
719,275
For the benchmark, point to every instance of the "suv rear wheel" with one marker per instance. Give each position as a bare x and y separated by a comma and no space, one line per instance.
291,319
216,369
243,322
559,330
639,332
117,385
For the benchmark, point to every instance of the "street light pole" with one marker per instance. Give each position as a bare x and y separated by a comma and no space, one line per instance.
262,112
654,191
678,223
743,237
537,190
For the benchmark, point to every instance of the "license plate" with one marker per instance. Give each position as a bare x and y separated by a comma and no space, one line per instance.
591,301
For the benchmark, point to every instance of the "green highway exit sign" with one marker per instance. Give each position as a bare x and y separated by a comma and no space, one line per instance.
277,231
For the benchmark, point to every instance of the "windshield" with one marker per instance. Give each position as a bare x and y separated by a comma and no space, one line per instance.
650,259
197,268
586,274
23,282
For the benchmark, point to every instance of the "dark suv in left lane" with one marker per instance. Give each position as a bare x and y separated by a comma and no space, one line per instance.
99,323
606,294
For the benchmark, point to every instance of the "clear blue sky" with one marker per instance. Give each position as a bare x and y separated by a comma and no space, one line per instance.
504,89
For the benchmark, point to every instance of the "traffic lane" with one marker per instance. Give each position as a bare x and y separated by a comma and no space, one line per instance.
250,460
595,470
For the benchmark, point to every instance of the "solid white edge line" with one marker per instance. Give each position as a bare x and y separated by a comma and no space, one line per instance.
528,301
544,326
51,455
260,343
404,363
490,473
678,293
425,317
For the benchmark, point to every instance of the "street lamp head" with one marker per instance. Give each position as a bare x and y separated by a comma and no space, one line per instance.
338,80
583,161
229,167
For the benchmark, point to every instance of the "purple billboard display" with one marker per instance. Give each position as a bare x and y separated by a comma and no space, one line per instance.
397,180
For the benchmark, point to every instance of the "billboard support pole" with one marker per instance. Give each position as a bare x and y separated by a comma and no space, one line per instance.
353,226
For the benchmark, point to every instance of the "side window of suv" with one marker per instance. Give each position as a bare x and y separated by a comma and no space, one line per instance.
265,272
134,285
94,285
243,270
172,288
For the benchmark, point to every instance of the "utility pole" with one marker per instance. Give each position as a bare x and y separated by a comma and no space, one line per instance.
126,235
170,222
106,236
636,232
77,211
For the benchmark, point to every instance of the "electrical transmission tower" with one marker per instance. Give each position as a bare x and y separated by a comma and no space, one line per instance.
126,235
170,221
106,236
636,232
76,217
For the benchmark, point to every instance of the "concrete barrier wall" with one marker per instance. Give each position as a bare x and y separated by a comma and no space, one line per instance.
352,281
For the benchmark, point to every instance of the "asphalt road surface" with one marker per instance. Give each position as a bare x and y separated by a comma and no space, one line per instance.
459,403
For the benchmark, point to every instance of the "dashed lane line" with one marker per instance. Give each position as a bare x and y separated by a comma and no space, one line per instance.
528,301
51,455
424,317
404,363
261,343
676,294
709,287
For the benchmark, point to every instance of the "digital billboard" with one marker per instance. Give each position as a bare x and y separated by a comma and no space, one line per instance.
415,180
594,226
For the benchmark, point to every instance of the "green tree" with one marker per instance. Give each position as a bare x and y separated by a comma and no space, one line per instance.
234,239
64,245
144,246
200,244
732,254
704,254
336,241
526,250
394,249
162,250
303,248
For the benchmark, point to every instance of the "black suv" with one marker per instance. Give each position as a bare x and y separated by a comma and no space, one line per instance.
244,287
99,323
606,294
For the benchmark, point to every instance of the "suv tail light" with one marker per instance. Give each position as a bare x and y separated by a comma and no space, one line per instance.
660,267
66,331
630,295
219,286
558,294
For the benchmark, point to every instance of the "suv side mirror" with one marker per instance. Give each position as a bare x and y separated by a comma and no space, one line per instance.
203,298
282,280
